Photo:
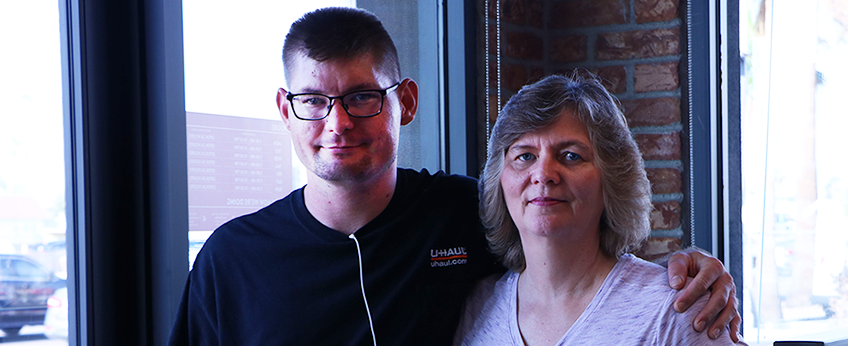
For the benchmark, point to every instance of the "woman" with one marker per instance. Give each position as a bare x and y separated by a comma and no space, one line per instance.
564,198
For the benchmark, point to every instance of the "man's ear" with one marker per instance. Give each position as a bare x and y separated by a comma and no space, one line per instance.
408,96
283,106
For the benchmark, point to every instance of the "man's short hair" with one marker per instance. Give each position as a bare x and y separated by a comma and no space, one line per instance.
624,222
340,33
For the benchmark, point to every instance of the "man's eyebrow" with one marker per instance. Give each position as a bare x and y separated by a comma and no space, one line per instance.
357,87
363,86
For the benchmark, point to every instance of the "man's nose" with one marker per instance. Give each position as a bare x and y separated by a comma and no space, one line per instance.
338,120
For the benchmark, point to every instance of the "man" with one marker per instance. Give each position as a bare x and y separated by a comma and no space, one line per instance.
365,252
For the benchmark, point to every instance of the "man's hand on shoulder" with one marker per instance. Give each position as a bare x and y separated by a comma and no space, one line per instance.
696,273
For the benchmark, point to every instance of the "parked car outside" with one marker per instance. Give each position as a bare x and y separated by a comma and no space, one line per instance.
56,320
25,286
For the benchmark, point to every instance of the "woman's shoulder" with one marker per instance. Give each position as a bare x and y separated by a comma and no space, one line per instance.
487,311
635,285
643,290
636,271
494,286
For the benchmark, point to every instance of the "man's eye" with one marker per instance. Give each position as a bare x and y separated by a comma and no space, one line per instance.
313,101
363,97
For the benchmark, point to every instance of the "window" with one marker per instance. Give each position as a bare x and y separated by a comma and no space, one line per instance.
239,153
31,271
32,173
794,173
125,124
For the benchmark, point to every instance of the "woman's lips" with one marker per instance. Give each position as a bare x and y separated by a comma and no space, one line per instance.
545,201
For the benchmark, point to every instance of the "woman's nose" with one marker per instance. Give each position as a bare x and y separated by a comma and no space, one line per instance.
546,171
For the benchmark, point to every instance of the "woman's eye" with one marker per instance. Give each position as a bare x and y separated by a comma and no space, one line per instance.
569,156
525,157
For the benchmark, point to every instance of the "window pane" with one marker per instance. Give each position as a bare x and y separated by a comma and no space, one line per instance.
33,262
239,153
795,175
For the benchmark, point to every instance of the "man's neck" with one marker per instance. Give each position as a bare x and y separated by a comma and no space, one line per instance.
347,206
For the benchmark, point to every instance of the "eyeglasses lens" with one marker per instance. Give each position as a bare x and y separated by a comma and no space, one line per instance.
358,104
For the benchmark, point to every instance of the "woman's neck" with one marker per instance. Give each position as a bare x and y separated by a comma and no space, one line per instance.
565,273
556,286
567,263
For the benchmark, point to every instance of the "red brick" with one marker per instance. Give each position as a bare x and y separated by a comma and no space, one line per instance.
657,247
664,180
494,108
569,14
536,74
526,46
569,48
493,74
493,40
535,14
492,10
521,12
655,10
652,112
666,215
614,78
514,11
664,146
513,76
655,77
638,44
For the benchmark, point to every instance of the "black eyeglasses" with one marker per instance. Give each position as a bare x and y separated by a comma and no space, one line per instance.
358,104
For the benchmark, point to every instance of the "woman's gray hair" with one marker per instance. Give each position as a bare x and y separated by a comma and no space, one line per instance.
627,193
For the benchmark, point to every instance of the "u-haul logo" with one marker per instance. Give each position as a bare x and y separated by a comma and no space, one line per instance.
448,257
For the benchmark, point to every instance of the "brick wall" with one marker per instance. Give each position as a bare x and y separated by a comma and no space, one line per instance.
635,46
